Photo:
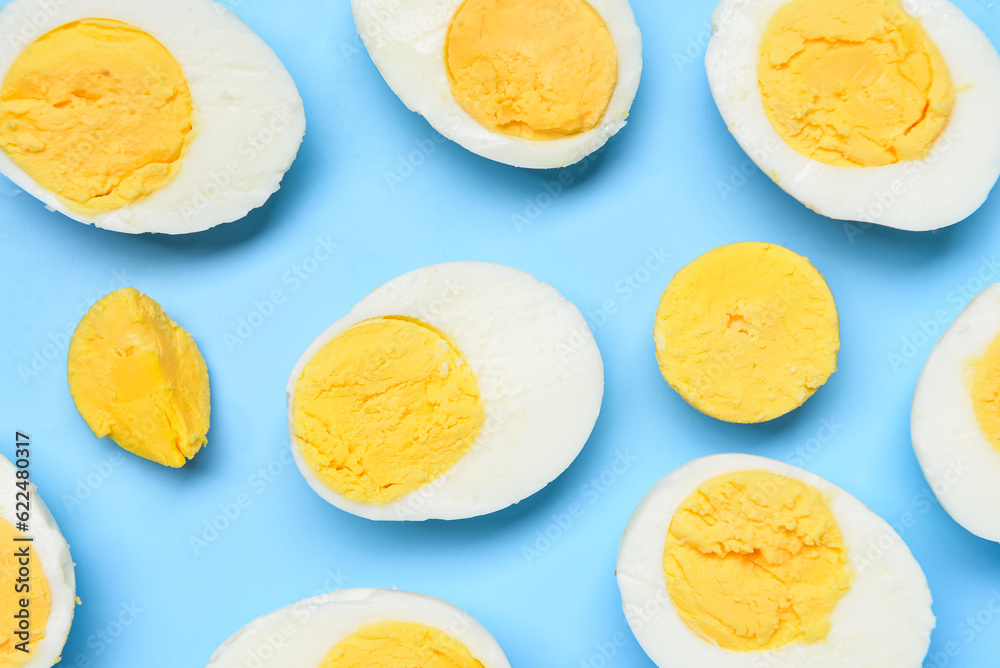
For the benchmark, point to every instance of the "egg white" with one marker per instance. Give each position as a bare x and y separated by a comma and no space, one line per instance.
959,462
944,188
884,621
406,41
240,90
302,634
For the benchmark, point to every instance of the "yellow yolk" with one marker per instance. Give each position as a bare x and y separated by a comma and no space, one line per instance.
747,332
854,83
755,560
537,69
986,393
399,645
139,378
98,112
384,408
37,595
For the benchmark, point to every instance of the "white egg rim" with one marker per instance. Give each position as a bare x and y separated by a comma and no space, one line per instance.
454,495
664,636
191,202
366,606
50,549
915,195
960,464
431,97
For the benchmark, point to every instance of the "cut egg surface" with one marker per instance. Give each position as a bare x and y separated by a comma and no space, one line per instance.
363,628
879,111
955,422
35,568
529,83
737,561
141,116
452,391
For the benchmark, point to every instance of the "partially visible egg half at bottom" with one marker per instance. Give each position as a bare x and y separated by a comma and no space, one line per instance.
736,561
135,116
529,83
35,568
955,422
363,628
452,391
877,111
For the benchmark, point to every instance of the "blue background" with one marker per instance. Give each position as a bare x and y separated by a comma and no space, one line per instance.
371,180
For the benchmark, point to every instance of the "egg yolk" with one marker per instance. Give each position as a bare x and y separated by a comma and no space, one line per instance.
986,393
97,112
755,560
34,589
537,69
854,83
139,378
747,332
384,408
399,645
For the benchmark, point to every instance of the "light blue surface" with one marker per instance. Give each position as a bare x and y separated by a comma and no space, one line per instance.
654,190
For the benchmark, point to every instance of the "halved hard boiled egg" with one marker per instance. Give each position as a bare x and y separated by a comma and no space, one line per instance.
956,417
878,111
530,83
363,627
38,595
143,117
452,391
736,561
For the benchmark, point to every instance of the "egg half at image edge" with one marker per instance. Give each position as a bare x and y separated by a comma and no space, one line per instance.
141,116
955,423
450,392
363,628
736,561
877,111
35,568
529,83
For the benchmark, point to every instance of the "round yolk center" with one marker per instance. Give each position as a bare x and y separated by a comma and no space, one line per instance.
399,645
537,69
747,332
34,588
384,408
98,112
755,560
854,83
986,393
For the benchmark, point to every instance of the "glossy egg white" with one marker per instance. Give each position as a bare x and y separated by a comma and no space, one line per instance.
884,621
248,116
406,41
946,187
302,634
959,462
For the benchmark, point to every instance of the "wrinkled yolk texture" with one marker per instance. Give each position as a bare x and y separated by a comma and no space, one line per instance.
399,645
384,408
98,112
747,332
755,560
986,393
40,600
139,378
854,83
537,69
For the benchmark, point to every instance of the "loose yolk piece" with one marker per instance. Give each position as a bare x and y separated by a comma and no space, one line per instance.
755,560
97,112
986,393
747,332
139,378
854,83
37,593
384,408
537,69
399,645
